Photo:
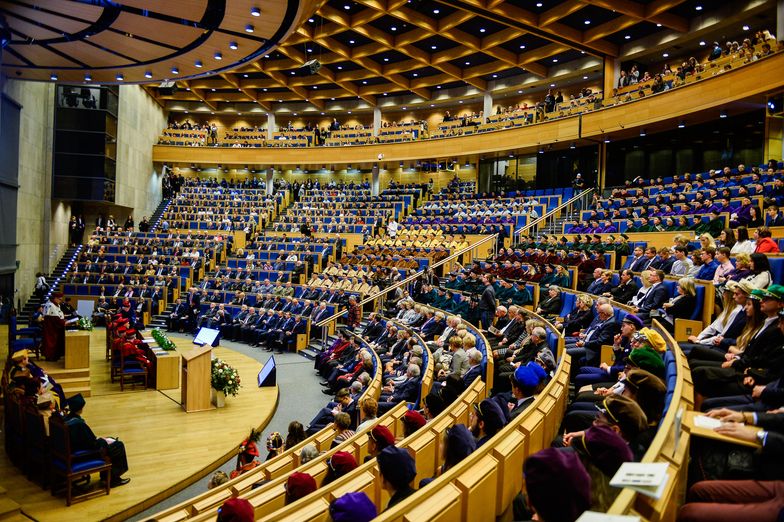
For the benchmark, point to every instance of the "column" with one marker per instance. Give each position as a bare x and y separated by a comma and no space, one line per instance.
612,70
779,20
374,180
488,106
774,138
270,125
601,167
376,120
270,174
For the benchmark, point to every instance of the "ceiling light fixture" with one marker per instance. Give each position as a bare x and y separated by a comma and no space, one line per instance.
573,145
233,45
198,64
666,55
88,78
386,59
249,28
607,140
119,77
244,75
218,56
587,22
698,8
393,28
681,124
746,27
351,42
642,133
175,70
555,60
255,11
311,20
482,30
628,37
702,43
723,113
148,74
436,11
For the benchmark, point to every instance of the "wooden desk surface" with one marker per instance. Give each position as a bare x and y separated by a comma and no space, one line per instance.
688,420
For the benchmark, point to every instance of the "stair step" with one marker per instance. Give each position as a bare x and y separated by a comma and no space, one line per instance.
74,382
58,372
70,392
9,508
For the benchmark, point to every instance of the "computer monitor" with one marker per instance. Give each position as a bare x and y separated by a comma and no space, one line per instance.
267,374
207,336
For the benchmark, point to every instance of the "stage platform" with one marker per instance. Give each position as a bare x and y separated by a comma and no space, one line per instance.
167,448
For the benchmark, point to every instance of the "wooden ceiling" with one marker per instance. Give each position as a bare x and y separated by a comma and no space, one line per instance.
372,52
135,41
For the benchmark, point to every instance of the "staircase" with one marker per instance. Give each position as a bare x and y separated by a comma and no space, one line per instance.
159,320
73,381
54,279
158,214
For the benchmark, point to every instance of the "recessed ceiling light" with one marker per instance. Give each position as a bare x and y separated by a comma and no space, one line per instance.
432,104
187,88
218,56
393,28
416,74
280,101
436,11
315,86
520,92
438,86
346,7
495,76
658,25
434,47
333,99
249,28
244,75
745,27
255,11
264,89
351,42
213,89
266,56
198,63
628,37
311,20
702,42
310,50
239,114
88,78
119,77
587,22
340,67
404,108
555,60
607,140
233,45
349,112
482,30
175,70
666,55
698,8
468,63
293,73
386,94
364,82
552,85
148,74
538,4
461,101
585,77
322,114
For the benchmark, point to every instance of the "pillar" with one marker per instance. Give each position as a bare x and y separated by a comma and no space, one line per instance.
774,139
270,125
601,166
488,106
374,180
376,120
779,20
612,70
270,175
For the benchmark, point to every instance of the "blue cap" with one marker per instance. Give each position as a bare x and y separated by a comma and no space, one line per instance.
633,319
528,377
353,507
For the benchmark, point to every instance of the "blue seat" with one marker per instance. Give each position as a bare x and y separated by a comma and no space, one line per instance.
567,303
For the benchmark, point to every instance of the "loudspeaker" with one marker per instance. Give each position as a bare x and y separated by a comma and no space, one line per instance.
313,66
167,88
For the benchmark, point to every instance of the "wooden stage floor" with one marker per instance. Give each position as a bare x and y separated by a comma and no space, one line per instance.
167,448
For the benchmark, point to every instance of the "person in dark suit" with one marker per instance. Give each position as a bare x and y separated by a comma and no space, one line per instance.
475,367
433,326
373,328
288,337
580,317
590,346
83,439
527,381
654,298
625,290
407,391
551,305
179,313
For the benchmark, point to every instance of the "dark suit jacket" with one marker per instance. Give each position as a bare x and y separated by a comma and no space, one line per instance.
603,334
406,391
472,374
655,299
624,293
518,409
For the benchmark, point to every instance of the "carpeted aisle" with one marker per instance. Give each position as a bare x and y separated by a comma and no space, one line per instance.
300,398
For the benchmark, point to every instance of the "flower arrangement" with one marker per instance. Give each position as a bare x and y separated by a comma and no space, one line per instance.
161,339
85,323
225,378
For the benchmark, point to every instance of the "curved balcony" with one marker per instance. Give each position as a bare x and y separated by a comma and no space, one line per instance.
736,90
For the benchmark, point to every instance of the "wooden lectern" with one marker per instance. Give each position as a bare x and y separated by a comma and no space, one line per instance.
196,367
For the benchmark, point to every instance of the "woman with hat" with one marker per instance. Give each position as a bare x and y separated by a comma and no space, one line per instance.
727,326
602,451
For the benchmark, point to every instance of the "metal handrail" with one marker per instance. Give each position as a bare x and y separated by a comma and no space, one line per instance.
551,214
412,278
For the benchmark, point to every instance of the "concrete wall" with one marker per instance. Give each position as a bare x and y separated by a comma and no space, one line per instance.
41,239
140,120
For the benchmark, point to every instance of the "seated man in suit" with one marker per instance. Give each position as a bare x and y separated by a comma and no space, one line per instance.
474,367
405,391
590,347
654,298
527,381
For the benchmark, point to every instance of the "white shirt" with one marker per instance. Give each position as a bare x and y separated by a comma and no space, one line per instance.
51,309
747,246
